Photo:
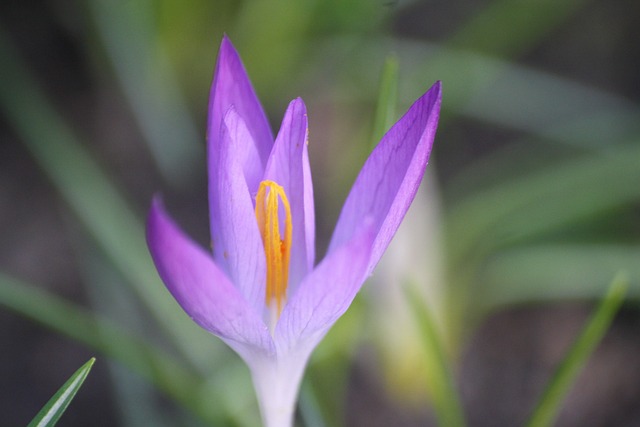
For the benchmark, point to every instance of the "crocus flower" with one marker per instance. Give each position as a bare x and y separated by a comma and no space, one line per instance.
259,288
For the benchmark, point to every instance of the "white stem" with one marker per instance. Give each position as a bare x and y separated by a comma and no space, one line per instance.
277,383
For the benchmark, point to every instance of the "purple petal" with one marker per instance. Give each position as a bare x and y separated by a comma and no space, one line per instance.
231,87
236,241
201,288
391,175
289,166
246,154
326,293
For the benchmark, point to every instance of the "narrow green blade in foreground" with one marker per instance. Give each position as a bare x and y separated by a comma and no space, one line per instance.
55,407
549,405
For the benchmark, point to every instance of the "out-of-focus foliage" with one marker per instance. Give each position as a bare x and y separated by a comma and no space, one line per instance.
548,407
534,176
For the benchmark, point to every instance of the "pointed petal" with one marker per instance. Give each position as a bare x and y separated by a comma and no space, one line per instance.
201,288
391,175
325,294
231,87
245,154
237,245
289,166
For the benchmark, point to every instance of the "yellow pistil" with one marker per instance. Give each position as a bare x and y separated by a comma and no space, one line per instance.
277,249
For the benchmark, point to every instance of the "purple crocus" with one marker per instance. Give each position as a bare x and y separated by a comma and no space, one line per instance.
259,289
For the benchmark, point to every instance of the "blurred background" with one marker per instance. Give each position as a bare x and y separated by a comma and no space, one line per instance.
530,206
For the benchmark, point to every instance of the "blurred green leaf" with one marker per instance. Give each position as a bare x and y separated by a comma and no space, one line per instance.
549,405
354,16
385,115
327,376
309,407
445,398
547,272
484,88
94,199
543,201
533,205
55,407
504,28
107,338
507,27
270,37
128,33
134,396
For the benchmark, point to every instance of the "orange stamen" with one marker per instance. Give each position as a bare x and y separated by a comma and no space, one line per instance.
276,248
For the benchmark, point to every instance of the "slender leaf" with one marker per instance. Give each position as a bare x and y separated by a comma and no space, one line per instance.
446,402
541,202
387,100
547,272
549,405
55,407
544,201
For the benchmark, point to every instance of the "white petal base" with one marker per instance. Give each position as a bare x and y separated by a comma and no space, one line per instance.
277,383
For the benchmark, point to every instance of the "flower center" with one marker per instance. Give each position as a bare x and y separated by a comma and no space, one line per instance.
269,200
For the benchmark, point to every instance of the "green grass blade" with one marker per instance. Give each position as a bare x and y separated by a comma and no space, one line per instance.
55,407
441,385
387,100
549,404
